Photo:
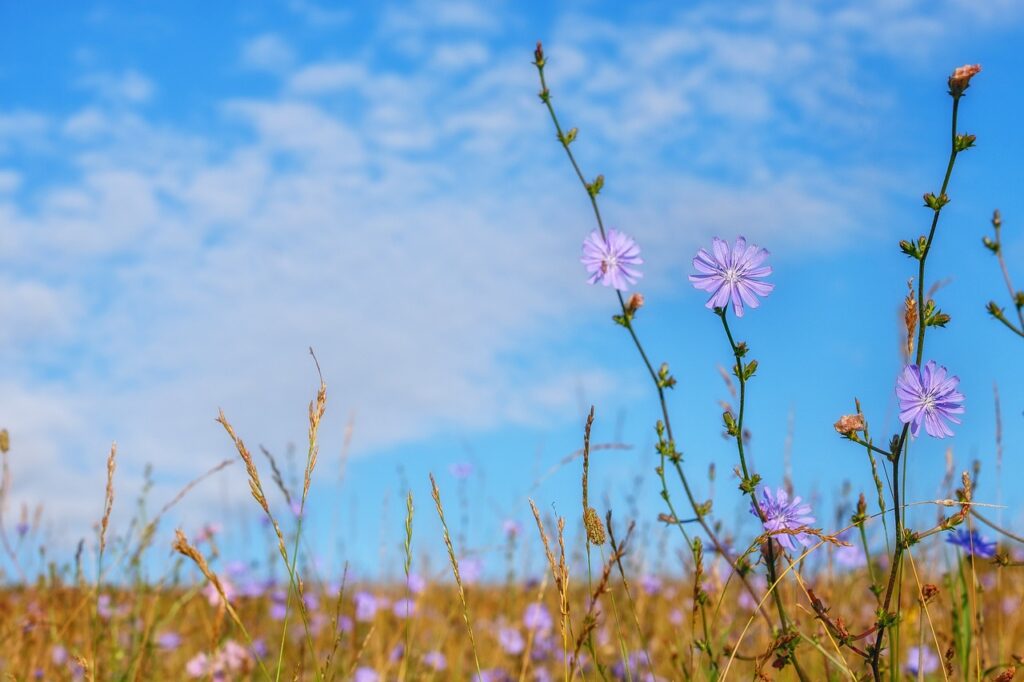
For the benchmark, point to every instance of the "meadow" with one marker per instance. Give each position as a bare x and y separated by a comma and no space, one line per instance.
847,593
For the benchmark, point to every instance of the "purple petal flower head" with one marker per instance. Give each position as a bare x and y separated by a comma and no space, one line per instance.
168,641
781,513
511,640
732,275
973,543
536,617
921,659
364,674
850,556
611,261
403,608
366,606
416,583
929,395
435,659
651,584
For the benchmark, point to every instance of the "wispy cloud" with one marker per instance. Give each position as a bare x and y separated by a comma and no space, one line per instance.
410,220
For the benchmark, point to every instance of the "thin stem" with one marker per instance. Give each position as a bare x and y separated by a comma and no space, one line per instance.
545,96
740,371
902,444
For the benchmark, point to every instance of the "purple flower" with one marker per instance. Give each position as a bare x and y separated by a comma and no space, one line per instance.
470,569
197,665
536,617
850,556
366,606
921,659
972,543
511,527
732,275
511,640
928,395
168,641
415,583
403,608
610,261
364,674
651,584
782,514
435,660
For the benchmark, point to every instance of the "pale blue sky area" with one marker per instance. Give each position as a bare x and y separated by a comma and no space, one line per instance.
191,196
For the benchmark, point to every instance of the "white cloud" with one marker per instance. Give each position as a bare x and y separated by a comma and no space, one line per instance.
129,86
420,236
268,52
328,77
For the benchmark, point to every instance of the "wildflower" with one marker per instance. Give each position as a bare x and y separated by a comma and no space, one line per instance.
928,395
536,617
207,532
234,655
470,569
366,606
960,79
103,607
168,641
213,595
511,640
197,665
635,303
59,655
435,660
850,556
921,659
849,424
611,261
364,674
415,583
651,584
732,275
403,608
511,528
973,543
781,514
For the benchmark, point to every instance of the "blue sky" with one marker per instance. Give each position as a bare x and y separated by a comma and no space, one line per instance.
190,197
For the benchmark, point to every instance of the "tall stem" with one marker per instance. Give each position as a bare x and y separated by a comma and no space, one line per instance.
740,371
627,322
902,444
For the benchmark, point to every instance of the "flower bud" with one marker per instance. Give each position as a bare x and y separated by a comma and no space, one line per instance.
5,441
635,303
960,79
849,424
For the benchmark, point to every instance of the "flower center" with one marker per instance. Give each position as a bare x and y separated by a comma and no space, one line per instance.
928,401
732,276
610,261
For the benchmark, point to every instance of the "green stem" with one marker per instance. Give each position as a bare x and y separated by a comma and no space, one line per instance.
740,371
902,444
545,96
